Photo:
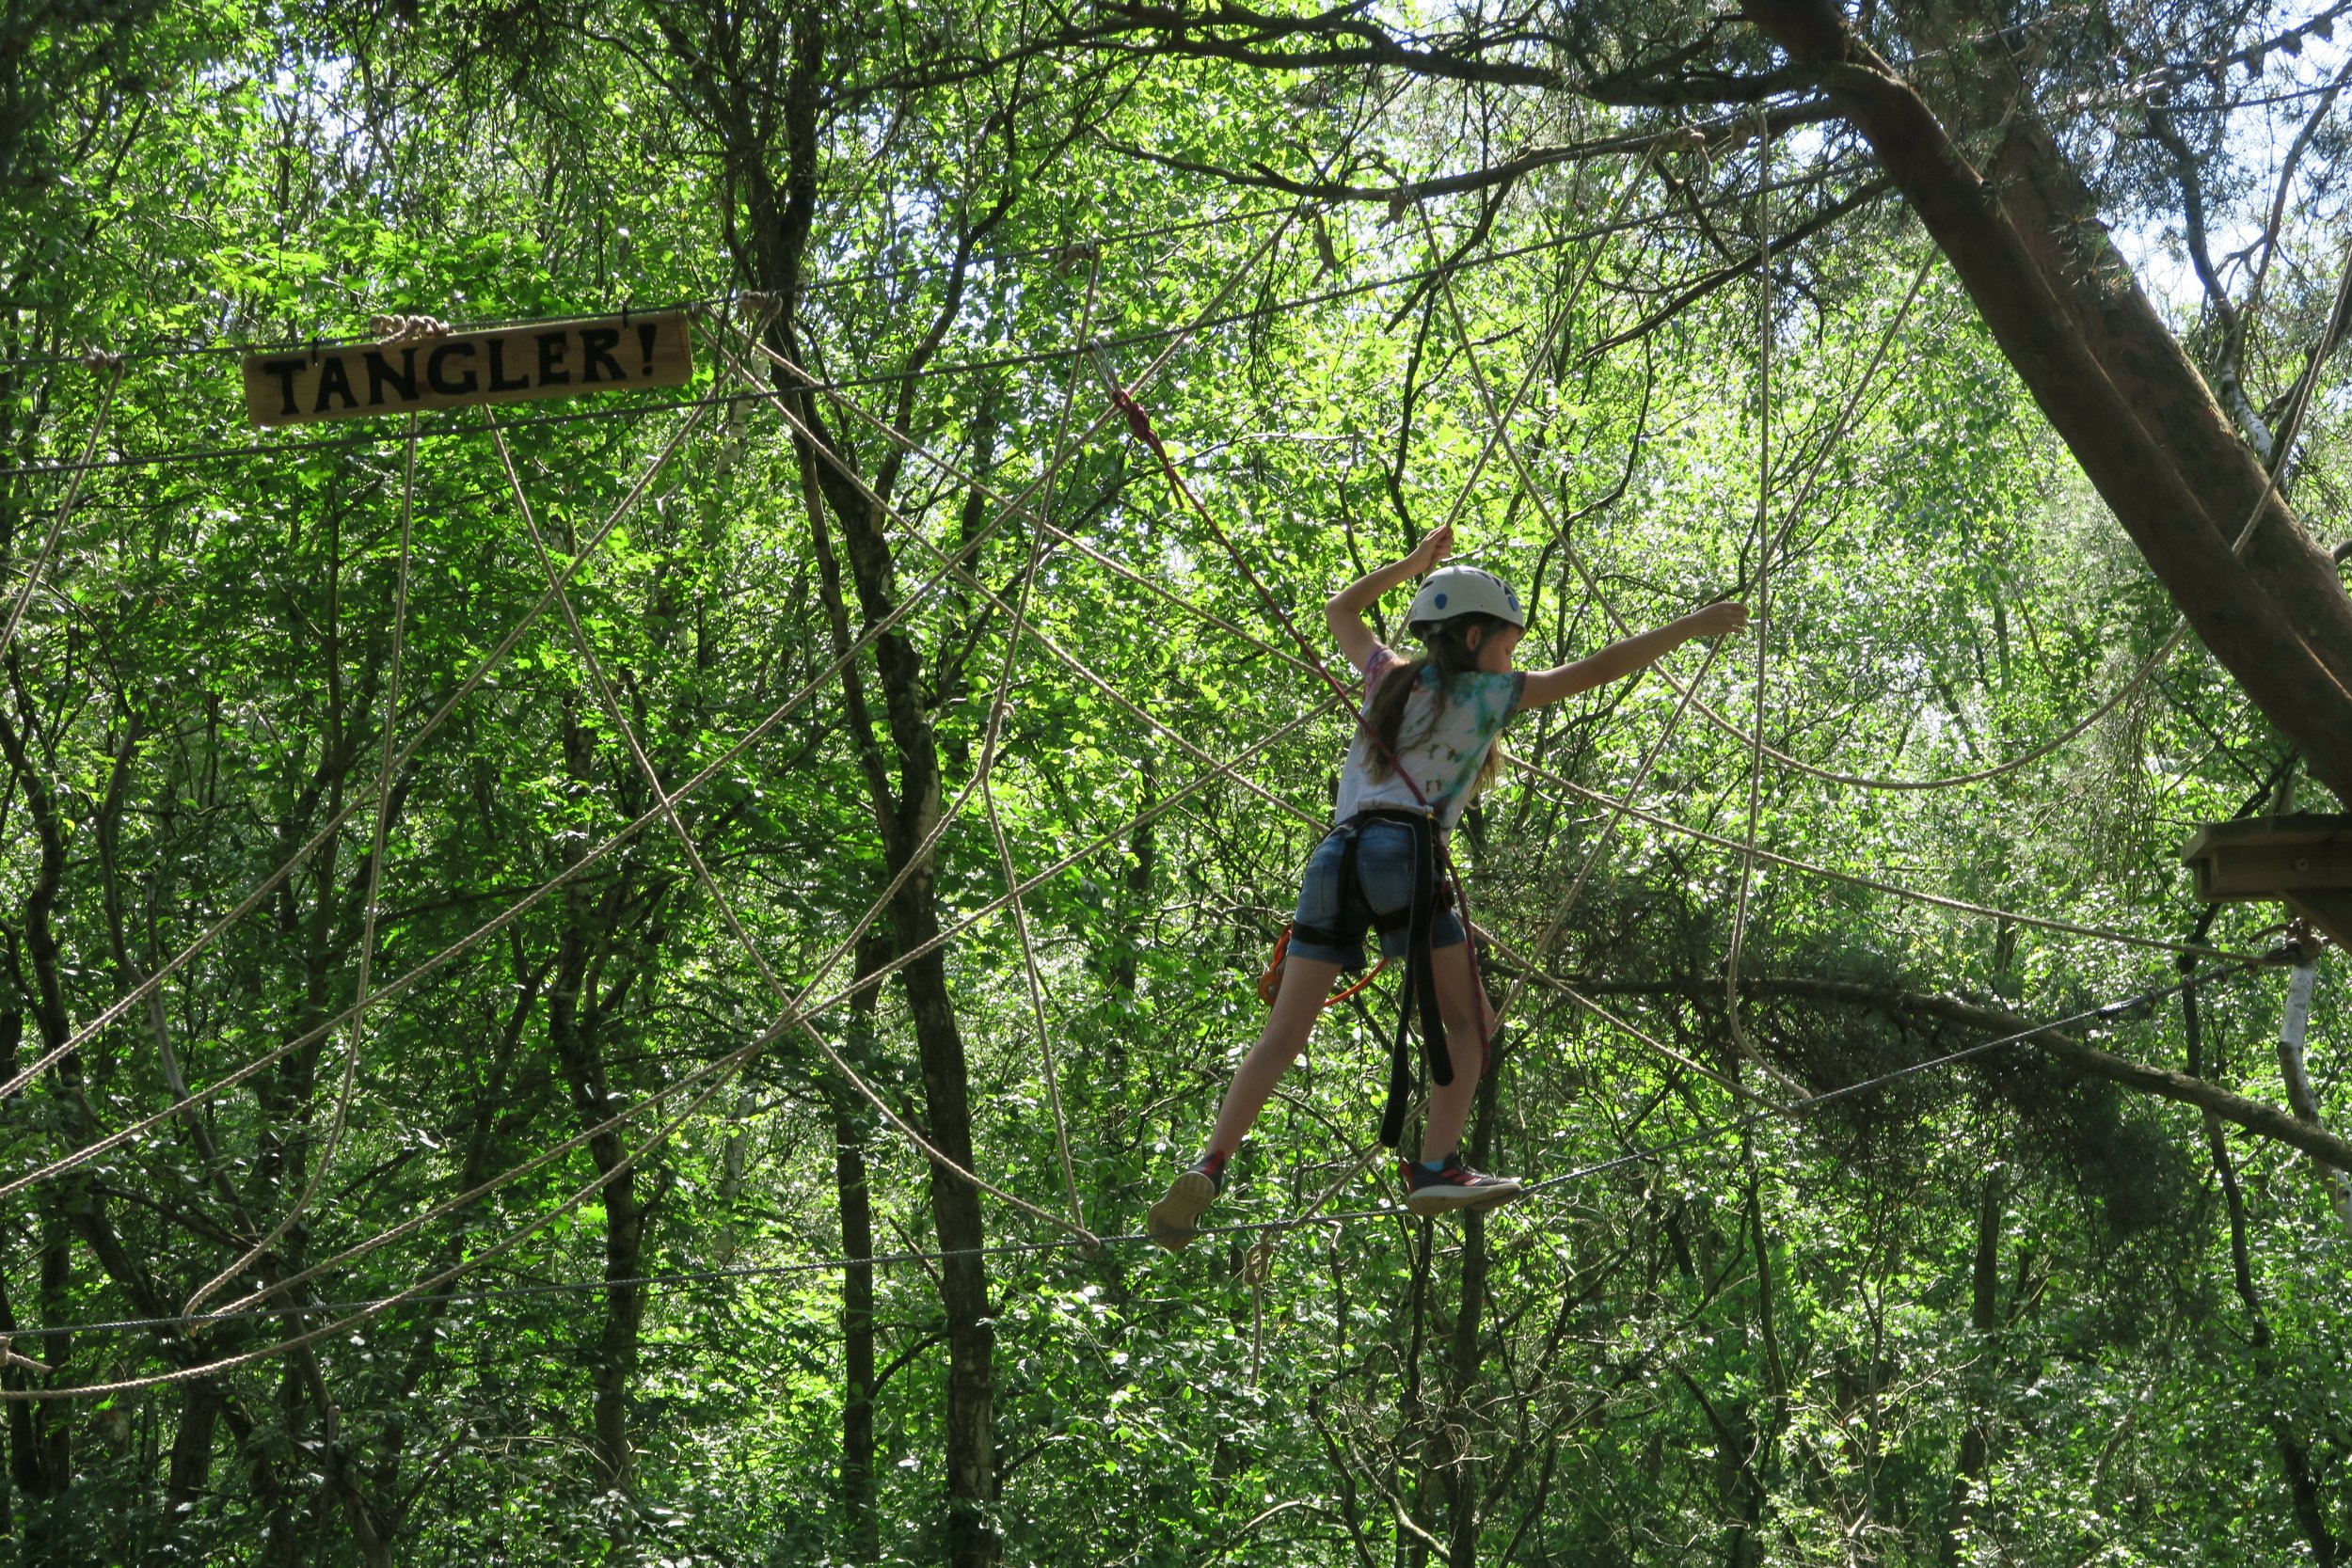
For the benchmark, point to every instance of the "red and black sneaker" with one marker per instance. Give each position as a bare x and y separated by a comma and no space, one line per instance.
1455,1185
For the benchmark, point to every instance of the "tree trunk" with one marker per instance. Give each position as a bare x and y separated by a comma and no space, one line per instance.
574,1014
2114,384
1464,1473
907,809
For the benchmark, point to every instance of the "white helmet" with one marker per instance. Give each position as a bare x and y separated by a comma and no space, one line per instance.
1452,590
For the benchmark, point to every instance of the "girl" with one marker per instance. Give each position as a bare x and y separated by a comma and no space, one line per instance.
1425,746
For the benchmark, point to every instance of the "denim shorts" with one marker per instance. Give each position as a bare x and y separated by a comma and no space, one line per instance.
1384,879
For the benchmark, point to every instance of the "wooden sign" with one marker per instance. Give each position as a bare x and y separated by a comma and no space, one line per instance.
511,364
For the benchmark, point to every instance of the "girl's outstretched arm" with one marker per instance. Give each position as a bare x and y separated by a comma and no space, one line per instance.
1346,613
1620,660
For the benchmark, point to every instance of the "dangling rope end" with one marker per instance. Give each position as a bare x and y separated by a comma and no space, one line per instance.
1256,1267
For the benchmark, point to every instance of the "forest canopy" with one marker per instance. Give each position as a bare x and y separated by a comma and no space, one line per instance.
609,978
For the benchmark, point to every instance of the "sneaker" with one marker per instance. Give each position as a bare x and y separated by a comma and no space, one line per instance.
1455,1186
1175,1220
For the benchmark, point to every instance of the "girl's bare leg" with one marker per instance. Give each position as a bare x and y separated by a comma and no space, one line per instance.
1174,1220
1469,1024
1305,983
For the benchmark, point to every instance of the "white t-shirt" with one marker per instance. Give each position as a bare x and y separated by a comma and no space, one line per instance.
1441,745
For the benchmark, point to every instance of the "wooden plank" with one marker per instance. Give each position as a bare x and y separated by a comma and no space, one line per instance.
514,364
2263,870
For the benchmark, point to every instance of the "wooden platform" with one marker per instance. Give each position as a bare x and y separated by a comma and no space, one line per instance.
2303,861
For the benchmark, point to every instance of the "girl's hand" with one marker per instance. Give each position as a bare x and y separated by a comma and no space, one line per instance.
1434,546
1717,619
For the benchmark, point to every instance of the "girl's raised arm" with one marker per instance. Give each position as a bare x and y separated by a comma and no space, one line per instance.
1620,660
1345,613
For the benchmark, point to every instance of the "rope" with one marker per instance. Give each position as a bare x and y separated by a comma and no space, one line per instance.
1558,923
952,565
916,448
795,1013
1896,890
804,1012
1891,889
513,1240
113,363
966,367
1139,423
1830,1097
496,924
2299,404
1537,360
801,1013
1101,842
666,805
909,444
1652,818
1529,974
368,911
702,871
946,465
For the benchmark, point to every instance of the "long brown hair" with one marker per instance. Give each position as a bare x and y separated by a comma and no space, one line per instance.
1450,655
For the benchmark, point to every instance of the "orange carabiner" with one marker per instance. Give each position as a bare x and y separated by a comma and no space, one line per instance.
1270,983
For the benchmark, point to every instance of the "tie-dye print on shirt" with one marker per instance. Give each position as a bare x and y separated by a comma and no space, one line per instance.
1441,745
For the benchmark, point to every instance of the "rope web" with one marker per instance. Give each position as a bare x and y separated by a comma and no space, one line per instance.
666,1110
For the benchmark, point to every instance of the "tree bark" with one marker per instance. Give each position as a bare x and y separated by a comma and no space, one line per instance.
1463,1472
751,112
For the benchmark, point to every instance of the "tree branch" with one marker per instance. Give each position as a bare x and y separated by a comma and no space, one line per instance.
2256,1117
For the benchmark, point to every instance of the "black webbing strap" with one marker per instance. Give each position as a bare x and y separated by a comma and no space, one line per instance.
1421,982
